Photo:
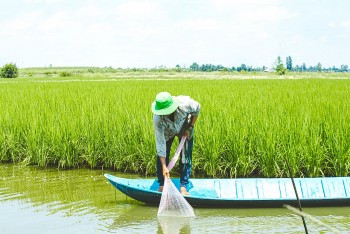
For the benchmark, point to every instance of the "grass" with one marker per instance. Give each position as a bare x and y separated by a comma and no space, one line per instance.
247,127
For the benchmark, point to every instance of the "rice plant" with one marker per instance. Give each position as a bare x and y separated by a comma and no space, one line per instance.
246,127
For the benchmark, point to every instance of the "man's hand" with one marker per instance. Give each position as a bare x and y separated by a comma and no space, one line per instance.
187,133
166,173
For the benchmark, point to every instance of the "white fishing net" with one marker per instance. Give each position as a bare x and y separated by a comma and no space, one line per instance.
177,153
172,203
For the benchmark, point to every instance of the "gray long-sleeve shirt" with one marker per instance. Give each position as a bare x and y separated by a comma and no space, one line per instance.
166,129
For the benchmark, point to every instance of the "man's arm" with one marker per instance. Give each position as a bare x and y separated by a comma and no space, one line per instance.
166,173
160,144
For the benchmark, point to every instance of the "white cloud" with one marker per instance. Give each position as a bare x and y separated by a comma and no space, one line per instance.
100,28
264,35
332,24
200,24
296,38
265,14
21,25
229,5
41,1
322,39
89,11
139,10
252,15
345,24
58,22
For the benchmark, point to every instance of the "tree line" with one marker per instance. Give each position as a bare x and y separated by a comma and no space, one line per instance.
278,64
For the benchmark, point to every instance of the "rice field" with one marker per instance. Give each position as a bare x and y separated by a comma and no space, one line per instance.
246,128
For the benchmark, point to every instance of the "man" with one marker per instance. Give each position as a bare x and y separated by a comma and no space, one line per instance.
174,116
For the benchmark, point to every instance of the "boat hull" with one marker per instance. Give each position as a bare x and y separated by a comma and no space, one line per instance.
257,192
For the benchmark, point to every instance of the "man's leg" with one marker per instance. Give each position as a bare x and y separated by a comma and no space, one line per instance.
159,165
186,165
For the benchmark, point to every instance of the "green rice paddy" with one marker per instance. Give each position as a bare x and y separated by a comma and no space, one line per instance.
247,127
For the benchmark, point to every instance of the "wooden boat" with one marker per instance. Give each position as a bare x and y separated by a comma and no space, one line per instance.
246,192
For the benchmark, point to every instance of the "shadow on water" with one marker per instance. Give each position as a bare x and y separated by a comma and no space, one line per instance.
41,200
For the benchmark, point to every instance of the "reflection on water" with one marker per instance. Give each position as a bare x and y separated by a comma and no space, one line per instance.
172,224
82,201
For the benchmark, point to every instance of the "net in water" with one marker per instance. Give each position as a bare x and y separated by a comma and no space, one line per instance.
172,203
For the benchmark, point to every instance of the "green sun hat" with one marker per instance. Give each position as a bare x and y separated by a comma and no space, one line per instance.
164,104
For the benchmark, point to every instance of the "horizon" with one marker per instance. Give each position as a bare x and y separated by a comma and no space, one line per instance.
163,67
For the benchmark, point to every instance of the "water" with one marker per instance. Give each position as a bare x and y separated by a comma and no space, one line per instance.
82,201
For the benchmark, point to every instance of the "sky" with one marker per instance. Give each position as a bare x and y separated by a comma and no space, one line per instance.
154,33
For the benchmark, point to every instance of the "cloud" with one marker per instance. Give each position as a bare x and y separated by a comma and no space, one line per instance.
345,24
200,24
332,25
59,21
253,12
265,14
90,10
139,10
240,4
41,1
20,27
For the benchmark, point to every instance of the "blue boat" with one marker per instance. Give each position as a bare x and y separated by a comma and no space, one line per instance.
245,192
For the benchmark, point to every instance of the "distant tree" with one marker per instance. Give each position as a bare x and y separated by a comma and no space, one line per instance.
219,68
204,67
243,67
303,67
319,67
280,69
311,69
344,68
9,70
289,63
194,67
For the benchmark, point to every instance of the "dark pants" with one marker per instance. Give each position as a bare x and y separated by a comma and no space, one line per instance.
185,167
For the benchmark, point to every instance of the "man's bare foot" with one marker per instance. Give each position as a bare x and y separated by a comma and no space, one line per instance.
160,189
183,191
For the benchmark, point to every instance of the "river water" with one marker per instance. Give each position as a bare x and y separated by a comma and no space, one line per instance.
82,201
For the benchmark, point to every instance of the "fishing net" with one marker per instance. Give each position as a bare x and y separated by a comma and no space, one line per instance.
177,153
172,203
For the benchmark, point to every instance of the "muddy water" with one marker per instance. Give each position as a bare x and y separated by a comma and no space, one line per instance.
82,201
